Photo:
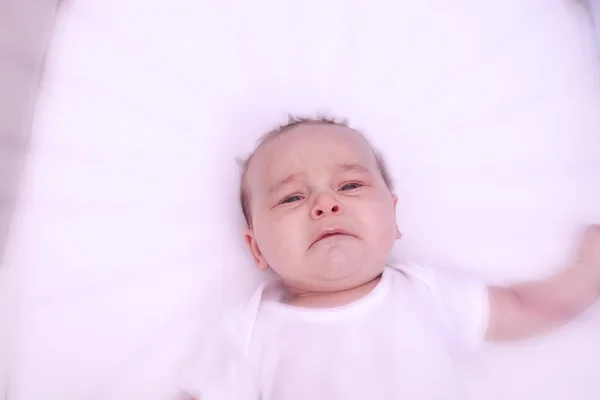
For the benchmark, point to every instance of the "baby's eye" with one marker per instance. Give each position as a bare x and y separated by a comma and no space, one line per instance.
350,186
291,199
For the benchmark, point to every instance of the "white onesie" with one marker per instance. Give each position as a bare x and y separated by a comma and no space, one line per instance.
397,342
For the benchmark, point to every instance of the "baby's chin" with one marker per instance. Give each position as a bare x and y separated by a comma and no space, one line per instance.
342,272
339,258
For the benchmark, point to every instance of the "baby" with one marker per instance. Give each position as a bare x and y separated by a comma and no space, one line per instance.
340,323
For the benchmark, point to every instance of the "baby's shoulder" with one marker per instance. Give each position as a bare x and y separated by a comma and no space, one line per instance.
436,281
428,275
238,322
412,273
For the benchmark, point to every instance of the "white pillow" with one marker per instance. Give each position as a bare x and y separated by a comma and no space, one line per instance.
128,236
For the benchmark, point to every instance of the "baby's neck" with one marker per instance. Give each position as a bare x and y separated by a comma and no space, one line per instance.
339,298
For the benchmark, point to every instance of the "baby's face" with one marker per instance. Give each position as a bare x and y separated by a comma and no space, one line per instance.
322,216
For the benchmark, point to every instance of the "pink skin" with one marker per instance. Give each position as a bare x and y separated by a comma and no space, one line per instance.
322,216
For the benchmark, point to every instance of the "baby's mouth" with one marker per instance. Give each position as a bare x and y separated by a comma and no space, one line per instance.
331,233
328,235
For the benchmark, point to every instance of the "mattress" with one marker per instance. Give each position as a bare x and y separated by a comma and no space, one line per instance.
125,243
25,30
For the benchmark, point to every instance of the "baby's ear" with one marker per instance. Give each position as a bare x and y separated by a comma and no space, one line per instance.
257,255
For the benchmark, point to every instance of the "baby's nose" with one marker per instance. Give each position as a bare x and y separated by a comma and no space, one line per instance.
326,205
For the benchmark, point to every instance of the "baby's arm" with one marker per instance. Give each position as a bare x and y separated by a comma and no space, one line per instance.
527,309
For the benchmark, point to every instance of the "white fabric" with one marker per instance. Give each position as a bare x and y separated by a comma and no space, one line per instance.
399,341
127,238
595,9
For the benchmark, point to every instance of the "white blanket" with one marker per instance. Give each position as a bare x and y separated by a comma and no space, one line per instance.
128,235
595,10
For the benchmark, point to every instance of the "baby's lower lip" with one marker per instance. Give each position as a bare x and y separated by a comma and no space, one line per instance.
330,235
333,234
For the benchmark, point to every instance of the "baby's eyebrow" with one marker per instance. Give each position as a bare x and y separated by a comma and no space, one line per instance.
353,167
282,182
292,177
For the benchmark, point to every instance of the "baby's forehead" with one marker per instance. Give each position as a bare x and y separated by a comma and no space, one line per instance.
306,144
342,139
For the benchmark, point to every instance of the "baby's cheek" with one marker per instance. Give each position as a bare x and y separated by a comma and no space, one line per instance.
282,240
387,232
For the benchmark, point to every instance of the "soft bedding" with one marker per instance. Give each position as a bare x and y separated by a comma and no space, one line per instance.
25,30
126,245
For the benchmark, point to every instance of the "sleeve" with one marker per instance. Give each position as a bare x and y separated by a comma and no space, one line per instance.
461,299
223,372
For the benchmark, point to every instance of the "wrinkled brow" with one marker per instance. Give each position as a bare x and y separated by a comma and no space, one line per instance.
340,167
282,182
353,167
